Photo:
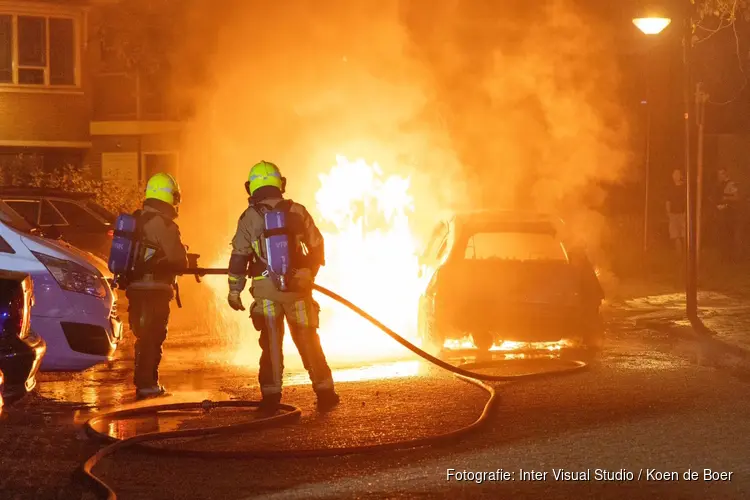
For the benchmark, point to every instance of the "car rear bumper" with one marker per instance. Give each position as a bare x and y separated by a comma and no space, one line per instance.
516,323
20,361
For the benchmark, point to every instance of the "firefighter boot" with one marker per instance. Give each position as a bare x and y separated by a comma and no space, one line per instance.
150,392
268,405
327,400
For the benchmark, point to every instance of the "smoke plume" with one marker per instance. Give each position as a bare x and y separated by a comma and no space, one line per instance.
482,104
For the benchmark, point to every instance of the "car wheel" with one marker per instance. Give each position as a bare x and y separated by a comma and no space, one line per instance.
483,341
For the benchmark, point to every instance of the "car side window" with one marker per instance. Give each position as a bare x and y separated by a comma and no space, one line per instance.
5,246
28,209
77,216
50,216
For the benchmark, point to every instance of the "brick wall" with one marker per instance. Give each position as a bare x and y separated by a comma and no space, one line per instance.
44,116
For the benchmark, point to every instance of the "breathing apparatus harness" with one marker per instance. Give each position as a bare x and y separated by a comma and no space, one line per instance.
280,249
273,253
132,257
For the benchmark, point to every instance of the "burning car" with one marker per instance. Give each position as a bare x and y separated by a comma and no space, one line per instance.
496,276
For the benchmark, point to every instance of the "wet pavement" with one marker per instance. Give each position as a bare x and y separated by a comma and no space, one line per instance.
642,404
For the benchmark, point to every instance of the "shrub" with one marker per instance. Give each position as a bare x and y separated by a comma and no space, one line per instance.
25,171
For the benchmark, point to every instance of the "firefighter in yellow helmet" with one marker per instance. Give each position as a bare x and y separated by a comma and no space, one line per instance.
271,305
150,289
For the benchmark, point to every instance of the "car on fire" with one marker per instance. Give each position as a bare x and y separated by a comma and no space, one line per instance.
75,309
496,276
57,214
21,349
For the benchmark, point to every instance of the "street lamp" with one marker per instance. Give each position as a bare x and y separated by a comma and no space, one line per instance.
649,26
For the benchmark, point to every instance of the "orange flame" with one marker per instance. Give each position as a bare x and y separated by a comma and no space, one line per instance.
371,259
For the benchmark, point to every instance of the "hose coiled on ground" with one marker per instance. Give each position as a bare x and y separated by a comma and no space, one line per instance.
291,413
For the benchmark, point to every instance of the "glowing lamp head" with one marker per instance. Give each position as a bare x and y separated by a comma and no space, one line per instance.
651,25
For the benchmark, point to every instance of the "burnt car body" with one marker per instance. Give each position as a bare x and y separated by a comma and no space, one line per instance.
21,350
498,276
73,217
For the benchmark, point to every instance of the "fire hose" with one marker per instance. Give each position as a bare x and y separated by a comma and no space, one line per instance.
291,413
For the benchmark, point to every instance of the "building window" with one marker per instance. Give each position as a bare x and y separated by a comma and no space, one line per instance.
38,50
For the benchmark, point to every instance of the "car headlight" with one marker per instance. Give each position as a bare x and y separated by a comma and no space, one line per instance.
73,277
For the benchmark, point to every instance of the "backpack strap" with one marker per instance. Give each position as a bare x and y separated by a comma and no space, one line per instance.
147,264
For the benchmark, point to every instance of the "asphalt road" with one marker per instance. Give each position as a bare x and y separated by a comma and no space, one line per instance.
642,406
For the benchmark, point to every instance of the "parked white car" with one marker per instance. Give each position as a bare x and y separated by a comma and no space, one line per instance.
75,309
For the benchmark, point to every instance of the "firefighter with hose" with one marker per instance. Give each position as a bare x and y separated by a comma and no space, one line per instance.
278,296
150,287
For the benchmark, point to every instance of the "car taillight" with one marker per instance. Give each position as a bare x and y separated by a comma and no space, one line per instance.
111,233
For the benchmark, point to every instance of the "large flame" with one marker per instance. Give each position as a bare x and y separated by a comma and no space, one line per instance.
371,259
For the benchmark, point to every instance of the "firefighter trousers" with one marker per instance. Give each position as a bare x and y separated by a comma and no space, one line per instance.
148,315
302,317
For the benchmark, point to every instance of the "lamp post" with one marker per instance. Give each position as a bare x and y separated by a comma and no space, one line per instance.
691,268
650,26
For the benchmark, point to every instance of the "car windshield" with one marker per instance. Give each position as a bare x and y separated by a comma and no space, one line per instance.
101,211
516,246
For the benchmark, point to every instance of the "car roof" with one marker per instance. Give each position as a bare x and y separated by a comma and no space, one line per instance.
516,219
18,192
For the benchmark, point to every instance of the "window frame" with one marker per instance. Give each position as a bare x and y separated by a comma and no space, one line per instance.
54,207
15,11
